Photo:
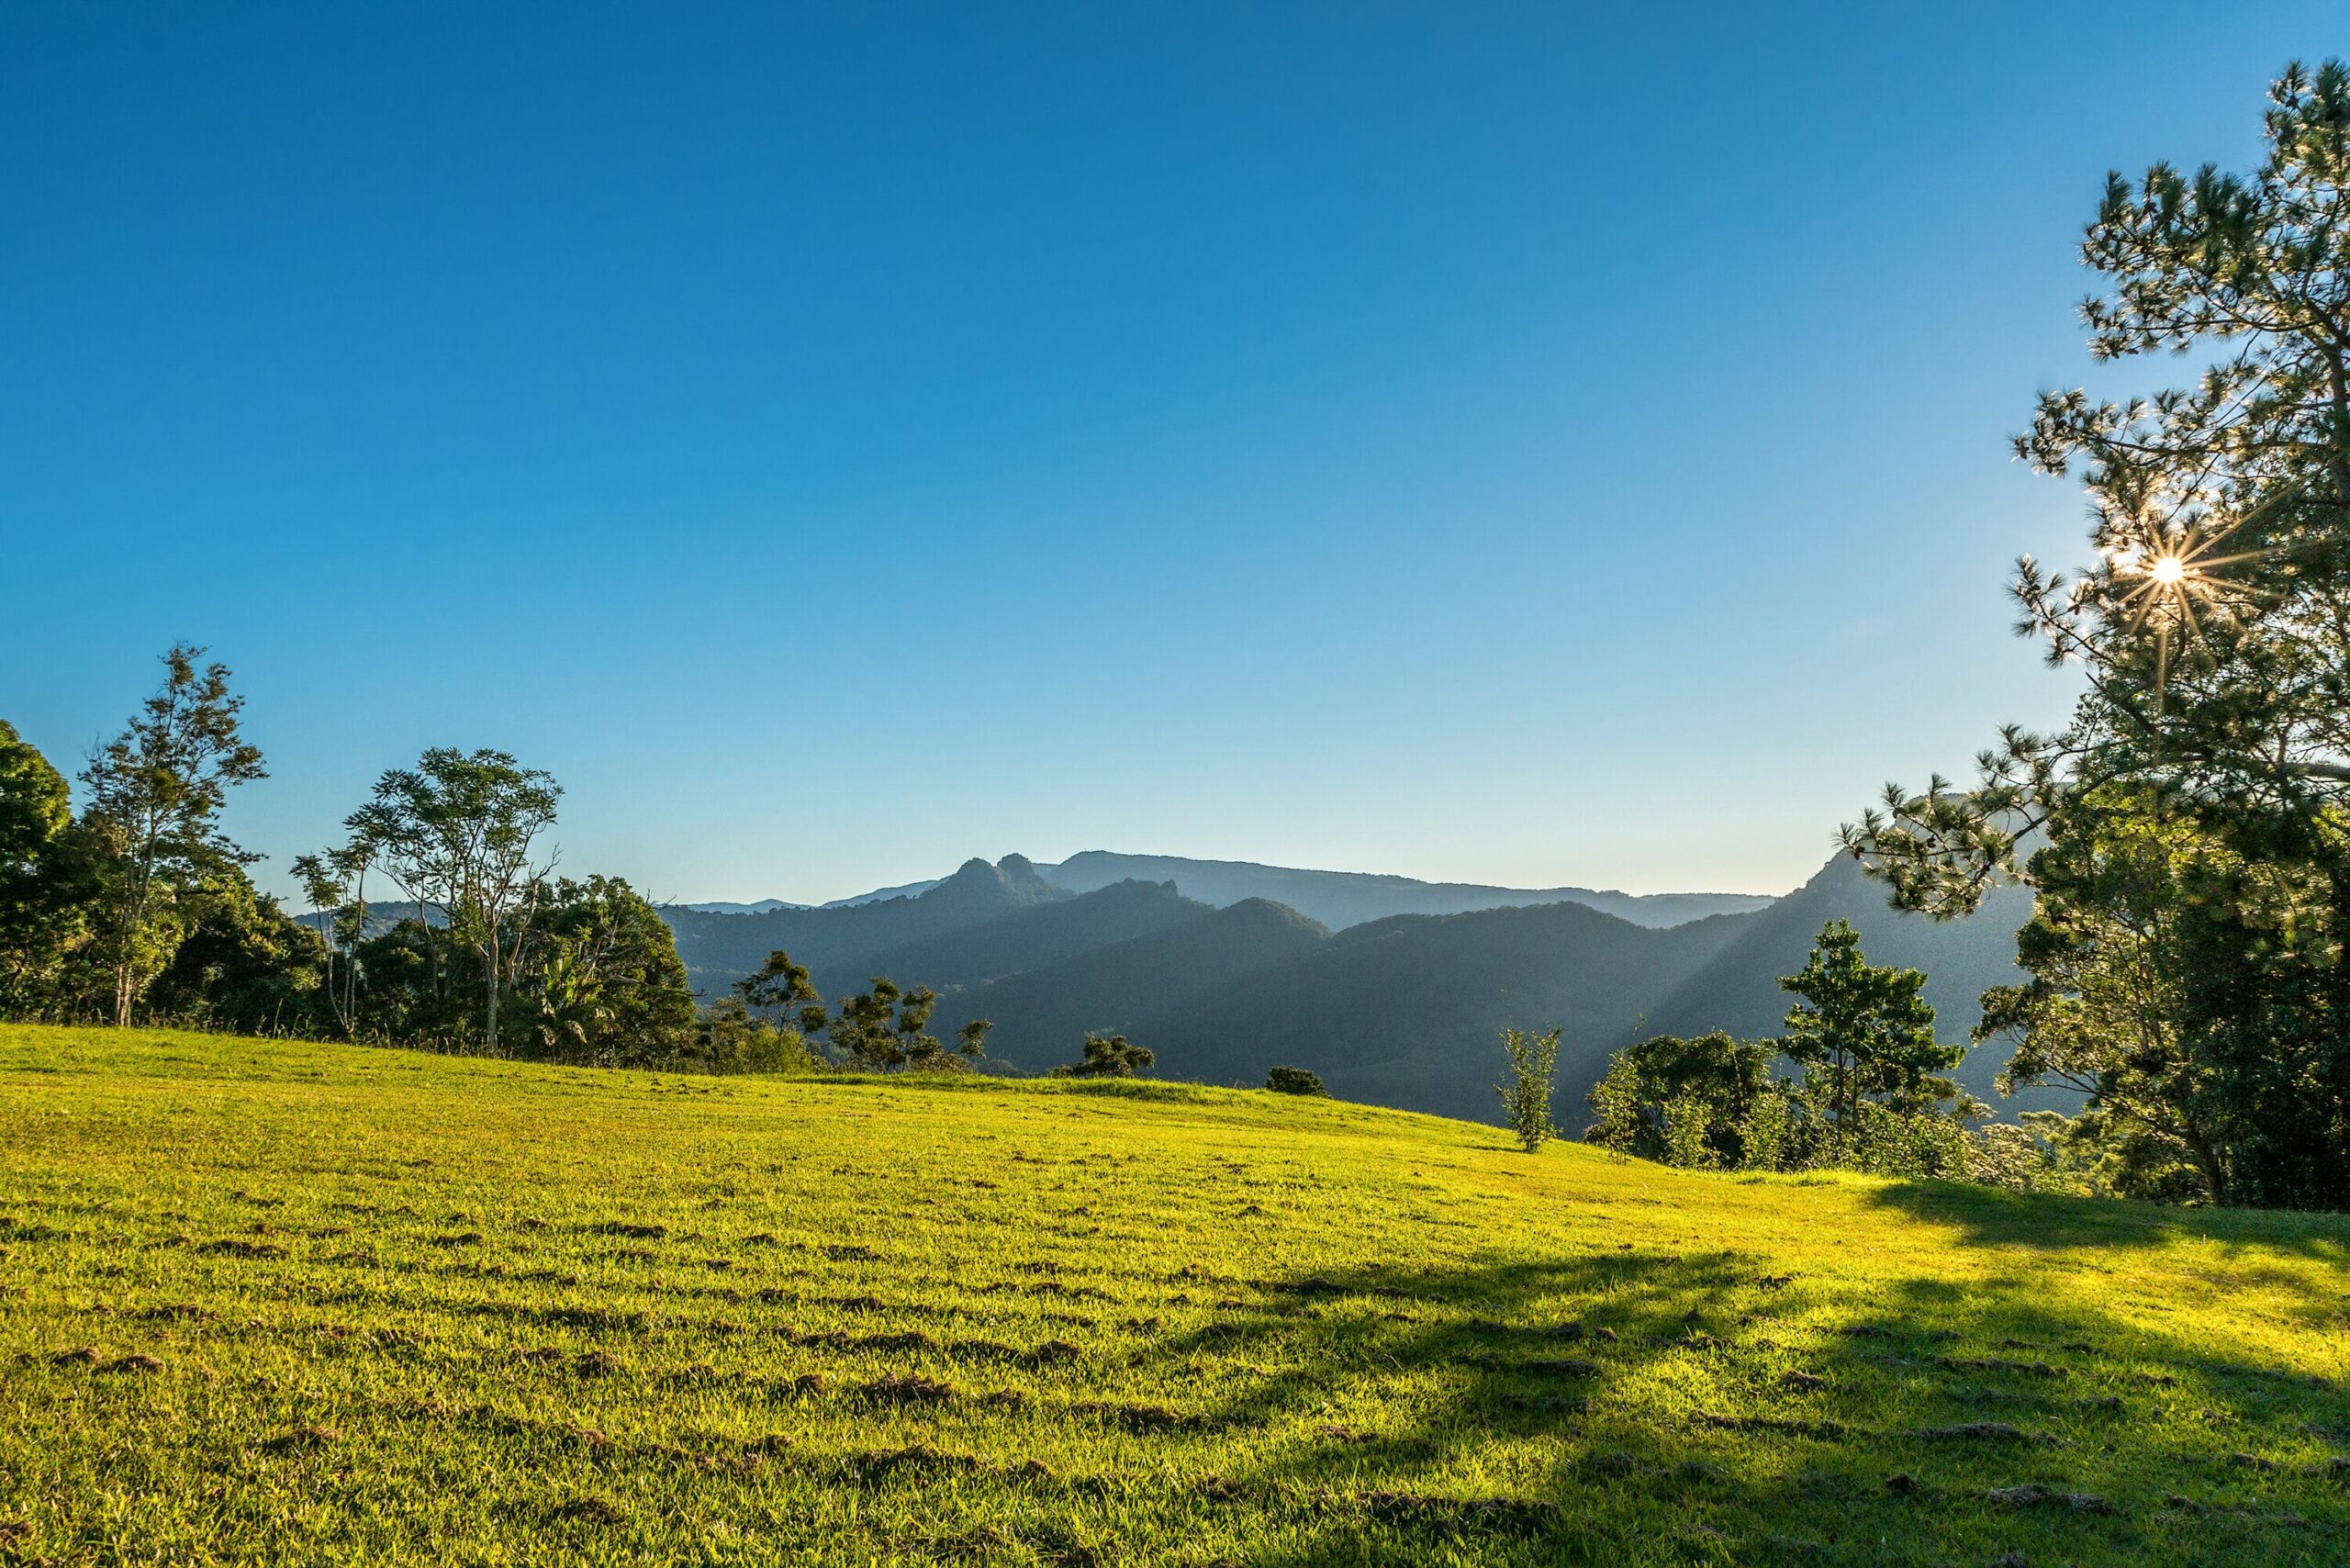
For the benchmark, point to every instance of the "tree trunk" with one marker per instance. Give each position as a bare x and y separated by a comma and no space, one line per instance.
490,966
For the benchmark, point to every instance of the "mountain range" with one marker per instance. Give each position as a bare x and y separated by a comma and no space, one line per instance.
1396,1007
1338,899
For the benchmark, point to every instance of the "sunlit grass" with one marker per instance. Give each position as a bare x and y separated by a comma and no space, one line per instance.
293,1302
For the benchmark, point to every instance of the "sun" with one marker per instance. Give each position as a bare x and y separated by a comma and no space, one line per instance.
2165,573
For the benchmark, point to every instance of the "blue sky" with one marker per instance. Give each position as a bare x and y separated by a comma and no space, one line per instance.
1542,444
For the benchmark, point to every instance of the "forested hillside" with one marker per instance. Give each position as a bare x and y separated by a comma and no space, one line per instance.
839,943
1738,988
1400,1010
1135,986
1405,1011
1038,937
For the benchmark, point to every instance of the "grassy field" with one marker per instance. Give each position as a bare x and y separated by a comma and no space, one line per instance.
269,1302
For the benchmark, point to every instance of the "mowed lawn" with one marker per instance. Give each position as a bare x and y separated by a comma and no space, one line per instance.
275,1301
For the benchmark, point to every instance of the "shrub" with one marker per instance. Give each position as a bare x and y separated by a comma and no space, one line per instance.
1109,1056
1294,1081
1688,1125
1687,1102
1526,1099
1769,1133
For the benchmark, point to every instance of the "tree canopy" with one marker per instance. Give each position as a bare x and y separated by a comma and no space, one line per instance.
2194,815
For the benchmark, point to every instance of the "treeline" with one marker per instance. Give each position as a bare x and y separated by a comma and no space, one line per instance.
1855,1083
139,908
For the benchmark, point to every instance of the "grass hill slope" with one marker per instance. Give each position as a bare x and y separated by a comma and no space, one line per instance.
283,1303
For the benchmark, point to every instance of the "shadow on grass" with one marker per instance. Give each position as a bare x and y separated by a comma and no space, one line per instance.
1990,1216
1644,1406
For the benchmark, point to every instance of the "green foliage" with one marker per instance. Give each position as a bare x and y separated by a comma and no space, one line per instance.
971,1039
1770,1138
242,964
780,988
886,1027
730,1038
1687,1102
45,877
2113,949
1863,1032
1867,1101
1526,1097
1109,1056
1294,1081
152,823
610,989
458,833
2195,813
594,974
335,882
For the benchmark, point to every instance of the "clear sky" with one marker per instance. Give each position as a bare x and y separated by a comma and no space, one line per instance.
1532,444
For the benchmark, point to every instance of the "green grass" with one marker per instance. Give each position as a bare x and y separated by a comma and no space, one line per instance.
271,1301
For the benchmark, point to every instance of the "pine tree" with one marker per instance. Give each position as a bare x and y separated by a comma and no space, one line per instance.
2212,622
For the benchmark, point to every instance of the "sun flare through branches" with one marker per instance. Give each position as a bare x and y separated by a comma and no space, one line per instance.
2167,579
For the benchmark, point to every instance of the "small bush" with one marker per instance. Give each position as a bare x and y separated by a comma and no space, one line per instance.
1769,1134
1109,1056
1294,1081
1526,1097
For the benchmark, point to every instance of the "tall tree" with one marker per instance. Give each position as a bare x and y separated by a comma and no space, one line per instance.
2110,949
156,791
780,988
335,882
459,833
241,963
882,1027
2211,623
610,988
1863,1031
1665,1094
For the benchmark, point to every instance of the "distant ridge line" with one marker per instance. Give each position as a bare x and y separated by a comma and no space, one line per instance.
1337,899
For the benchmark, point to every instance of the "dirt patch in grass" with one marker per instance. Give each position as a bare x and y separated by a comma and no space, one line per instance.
2031,1495
595,1363
909,1388
1458,1516
1974,1431
300,1438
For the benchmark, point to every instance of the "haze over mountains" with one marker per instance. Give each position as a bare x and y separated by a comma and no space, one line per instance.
1392,990
1338,899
